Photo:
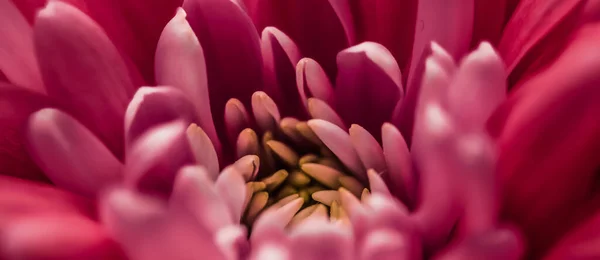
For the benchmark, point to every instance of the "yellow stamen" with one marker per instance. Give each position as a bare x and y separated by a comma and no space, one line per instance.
326,197
298,179
275,180
308,158
258,202
247,143
365,194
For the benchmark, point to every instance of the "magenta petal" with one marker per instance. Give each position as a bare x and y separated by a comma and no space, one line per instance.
488,21
478,88
147,229
338,141
579,243
232,188
156,156
501,244
57,236
368,149
180,63
319,240
312,81
280,55
152,106
91,76
231,49
318,109
17,56
368,77
398,163
17,105
545,177
70,155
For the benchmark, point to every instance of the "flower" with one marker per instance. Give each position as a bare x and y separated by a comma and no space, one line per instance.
246,150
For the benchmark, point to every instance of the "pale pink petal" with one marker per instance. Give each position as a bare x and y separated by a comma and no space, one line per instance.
232,188
338,141
388,244
385,211
368,77
376,183
231,50
368,149
233,242
280,55
91,76
203,150
147,229
156,156
319,239
57,236
194,191
270,244
17,56
478,88
398,164
312,81
501,244
70,155
265,110
236,119
180,63
152,106
319,109
277,218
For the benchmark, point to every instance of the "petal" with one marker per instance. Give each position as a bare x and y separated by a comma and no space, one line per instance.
313,82
388,244
478,88
233,242
496,245
17,104
180,63
91,75
280,55
318,109
368,77
398,163
155,158
152,106
318,239
57,236
17,56
232,188
368,149
265,110
580,243
146,229
70,155
488,22
389,22
236,119
561,168
203,150
376,183
231,49
338,141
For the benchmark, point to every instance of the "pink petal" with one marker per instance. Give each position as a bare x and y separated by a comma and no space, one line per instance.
338,141
203,150
388,244
368,77
534,26
313,82
580,243
17,56
530,152
57,236
233,242
389,22
328,31
277,218
398,163
385,211
498,244
316,239
280,55
156,156
376,183
488,22
318,109
232,188
148,230
231,49
70,155
266,112
478,88
368,149
17,104
194,192
180,63
91,75
153,106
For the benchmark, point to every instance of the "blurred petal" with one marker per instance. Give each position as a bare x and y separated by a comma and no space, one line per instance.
152,106
376,183
203,150
232,188
579,243
79,64
17,56
70,155
180,63
231,49
501,244
156,156
313,82
398,164
280,55
318,239
545,177
388,244
368,77
16,105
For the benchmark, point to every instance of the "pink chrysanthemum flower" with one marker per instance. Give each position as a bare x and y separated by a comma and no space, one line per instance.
266,129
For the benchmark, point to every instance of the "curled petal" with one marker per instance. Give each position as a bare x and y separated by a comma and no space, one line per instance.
70,155
180,63
265,111
312,81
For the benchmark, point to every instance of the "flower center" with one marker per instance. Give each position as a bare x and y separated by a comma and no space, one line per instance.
294,164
